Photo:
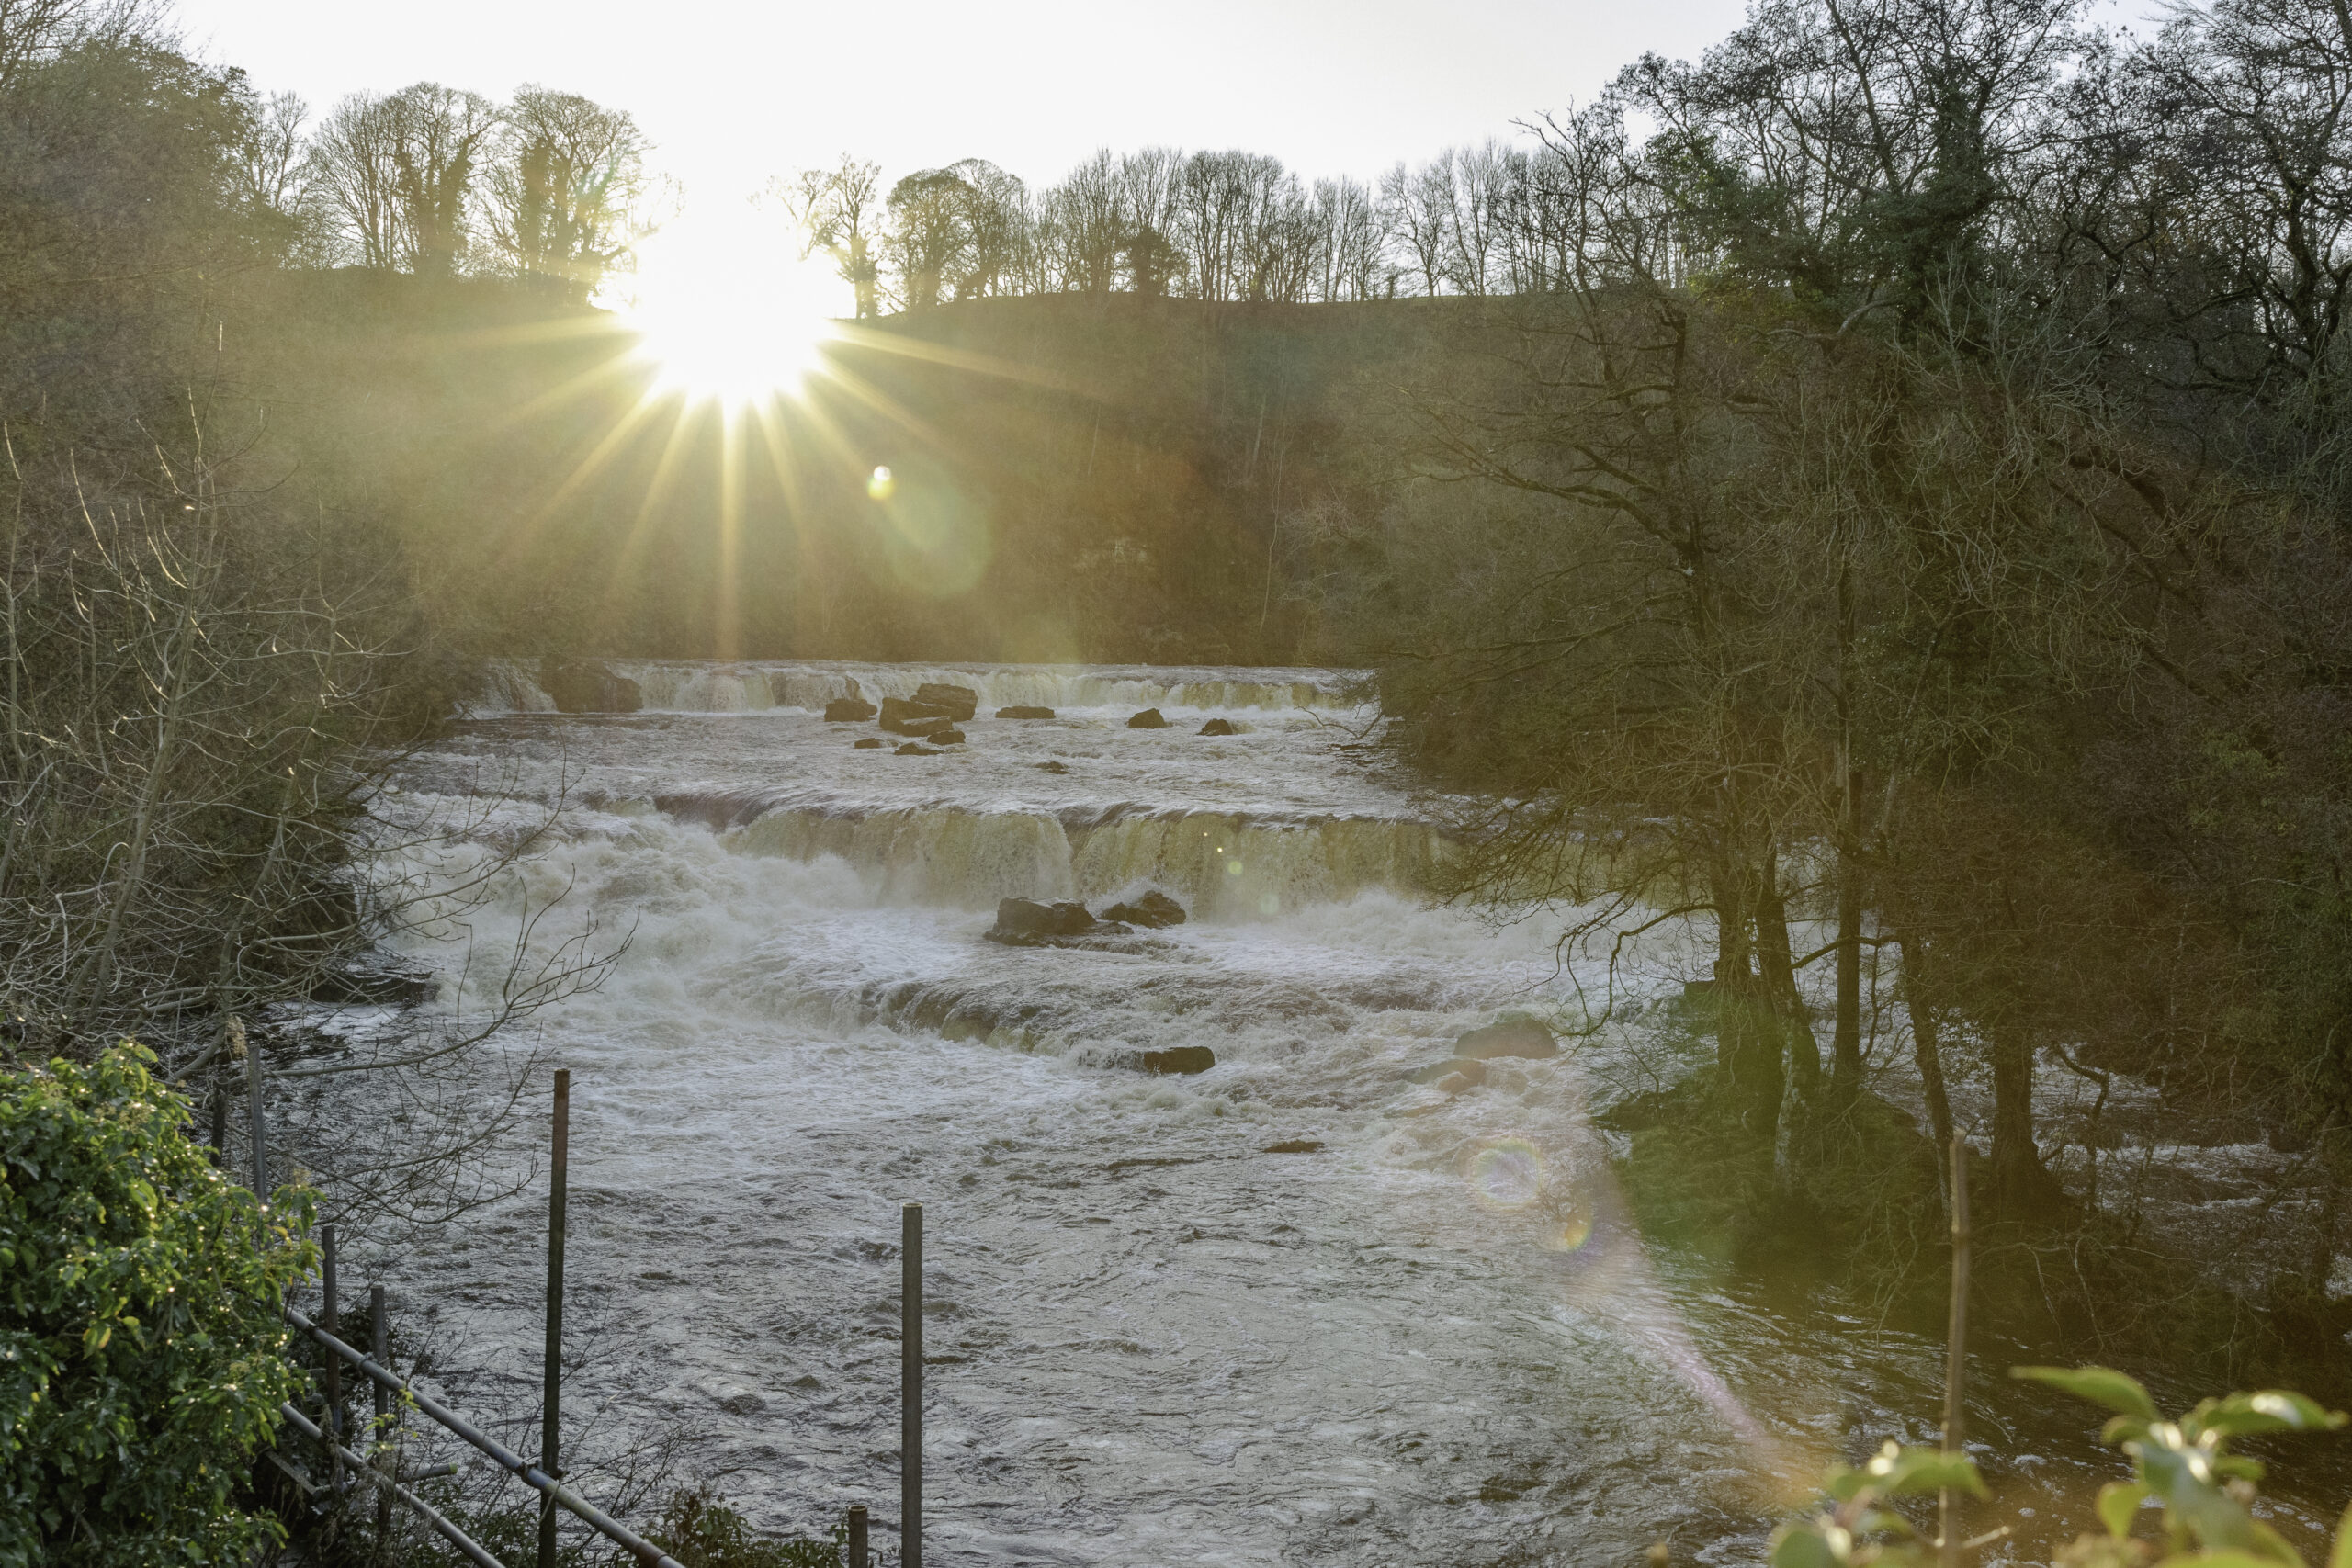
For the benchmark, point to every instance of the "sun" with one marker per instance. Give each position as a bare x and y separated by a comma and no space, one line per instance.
725,310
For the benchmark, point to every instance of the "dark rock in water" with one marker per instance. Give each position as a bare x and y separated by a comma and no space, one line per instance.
1155,909
1507,1037
945,735
1184,1059
1296,1146
1020,922
1219,726
901,714
912,749
1024,713
742,1404
872,742
1472,1072
587,686
959,702
1053,767
848,710
1150,719
374,980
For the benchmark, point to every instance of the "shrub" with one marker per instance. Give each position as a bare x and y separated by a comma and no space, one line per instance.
142,1356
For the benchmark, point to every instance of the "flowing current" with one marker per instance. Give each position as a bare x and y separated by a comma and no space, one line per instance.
1294,1309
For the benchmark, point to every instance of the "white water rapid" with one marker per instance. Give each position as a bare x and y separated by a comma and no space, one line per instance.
1295,1309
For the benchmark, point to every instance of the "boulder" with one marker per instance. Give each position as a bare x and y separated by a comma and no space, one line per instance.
959,702
945,735
587,686
1022,922
912,749
906,718
1219,726
1184,1059
1511,1035
1053,766
1024,713
1296,1146
872,742
848,710
1154,909
1470,1072
1150,719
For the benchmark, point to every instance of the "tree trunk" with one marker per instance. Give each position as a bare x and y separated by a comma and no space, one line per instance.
1845,1043
1746,1048
1927,1050
2019,1182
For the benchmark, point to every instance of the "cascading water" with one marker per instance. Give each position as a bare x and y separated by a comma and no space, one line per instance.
1297,1309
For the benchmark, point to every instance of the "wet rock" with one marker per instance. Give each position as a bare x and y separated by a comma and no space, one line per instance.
1154,909
1470,1071
945,735
1019,711
1296,1146
871,743
587,686
1022,922
1219,726
1183,1059
1150,719
848,710
903,716
806,1380
912,749
742,1404
1053,767
1511,1035
959,702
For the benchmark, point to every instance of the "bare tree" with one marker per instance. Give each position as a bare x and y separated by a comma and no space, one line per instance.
566,182
836,210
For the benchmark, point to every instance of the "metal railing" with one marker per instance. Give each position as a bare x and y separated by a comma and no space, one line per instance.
531,1475
552,1491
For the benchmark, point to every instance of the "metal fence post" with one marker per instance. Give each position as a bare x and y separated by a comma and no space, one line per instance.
334,1423
910,1387
857,1532
548,1454
252,1110
380,1334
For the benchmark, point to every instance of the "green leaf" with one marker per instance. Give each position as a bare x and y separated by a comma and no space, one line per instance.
2341,1557
1806,1546
2272,1410
2101,1385
2227,1559
2118,1501
1907,1473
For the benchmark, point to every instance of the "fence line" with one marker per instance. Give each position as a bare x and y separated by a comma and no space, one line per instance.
531,1475
547,1477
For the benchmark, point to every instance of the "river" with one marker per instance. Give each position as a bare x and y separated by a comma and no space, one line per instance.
1294,1309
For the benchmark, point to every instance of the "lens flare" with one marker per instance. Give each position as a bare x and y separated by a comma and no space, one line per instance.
1568,1232
1504,1174
881,484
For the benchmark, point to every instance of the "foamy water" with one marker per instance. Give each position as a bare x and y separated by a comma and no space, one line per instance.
1433,1337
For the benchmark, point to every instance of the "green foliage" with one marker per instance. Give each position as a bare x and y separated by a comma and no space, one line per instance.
141,1357
2185,1465
702,1532
1854,1530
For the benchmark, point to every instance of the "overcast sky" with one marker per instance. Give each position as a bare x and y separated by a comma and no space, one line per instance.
733,93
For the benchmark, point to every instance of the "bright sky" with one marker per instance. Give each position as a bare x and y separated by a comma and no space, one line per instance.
733,93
